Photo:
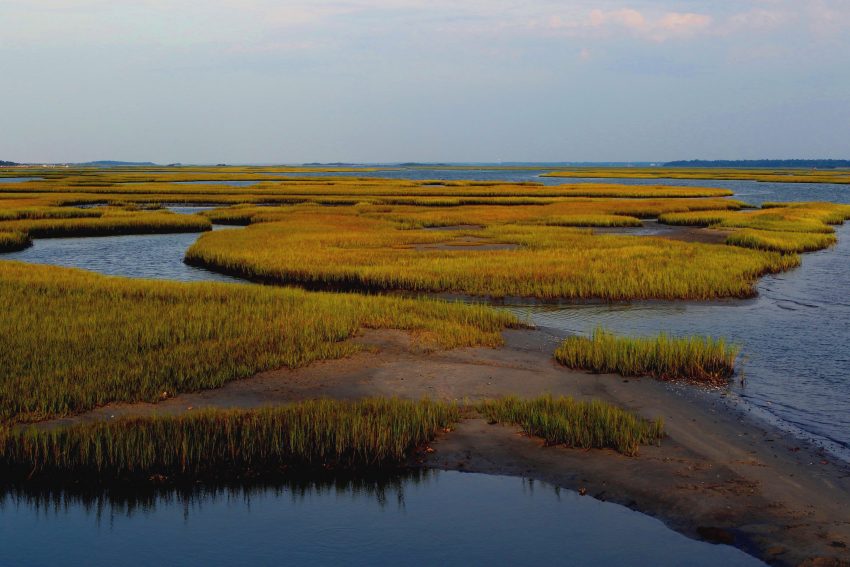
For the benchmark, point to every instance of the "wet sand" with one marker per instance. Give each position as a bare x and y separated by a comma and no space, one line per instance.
720,475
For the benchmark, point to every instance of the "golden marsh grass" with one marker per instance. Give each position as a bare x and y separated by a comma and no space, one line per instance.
782,227
73,340
109,224
11,241
345,251
698,359
584,425
315,434
312,434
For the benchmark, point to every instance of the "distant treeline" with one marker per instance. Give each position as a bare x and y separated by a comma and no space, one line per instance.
7,163
790,163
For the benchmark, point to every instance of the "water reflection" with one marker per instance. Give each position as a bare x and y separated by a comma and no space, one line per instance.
437,518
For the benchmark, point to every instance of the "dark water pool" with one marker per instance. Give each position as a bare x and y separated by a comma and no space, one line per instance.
438,518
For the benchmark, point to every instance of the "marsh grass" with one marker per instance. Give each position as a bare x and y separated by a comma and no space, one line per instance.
311,435
780,217
698,359
787,242
591,221
12,241
316,434
343,251
46,212
781,227
585,425
109,224
318,187
73,340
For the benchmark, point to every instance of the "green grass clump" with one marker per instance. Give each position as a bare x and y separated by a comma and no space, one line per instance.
701,359
13,240
787,242
586,425
73,340
311,434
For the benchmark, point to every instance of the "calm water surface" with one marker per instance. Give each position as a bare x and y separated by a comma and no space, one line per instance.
439,518
155,256
19,179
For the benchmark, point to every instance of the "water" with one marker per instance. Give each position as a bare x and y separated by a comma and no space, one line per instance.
18,179
445,518
154,256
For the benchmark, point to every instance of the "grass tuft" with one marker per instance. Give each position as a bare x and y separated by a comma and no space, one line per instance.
12,241
787,242
124,222
311,434
585,425
700,359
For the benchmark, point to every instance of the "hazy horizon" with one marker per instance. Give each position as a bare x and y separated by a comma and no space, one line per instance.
388,81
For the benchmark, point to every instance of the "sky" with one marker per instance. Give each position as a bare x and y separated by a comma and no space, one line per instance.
280,81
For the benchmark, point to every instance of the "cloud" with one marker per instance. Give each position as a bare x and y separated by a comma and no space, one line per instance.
828,17
758,19
663,27
269,25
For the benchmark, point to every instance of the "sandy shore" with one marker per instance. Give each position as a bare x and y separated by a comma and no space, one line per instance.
720,475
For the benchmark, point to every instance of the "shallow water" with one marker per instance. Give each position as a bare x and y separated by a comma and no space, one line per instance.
438,518
154,256
18,179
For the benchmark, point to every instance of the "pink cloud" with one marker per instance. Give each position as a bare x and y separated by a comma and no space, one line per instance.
670,25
